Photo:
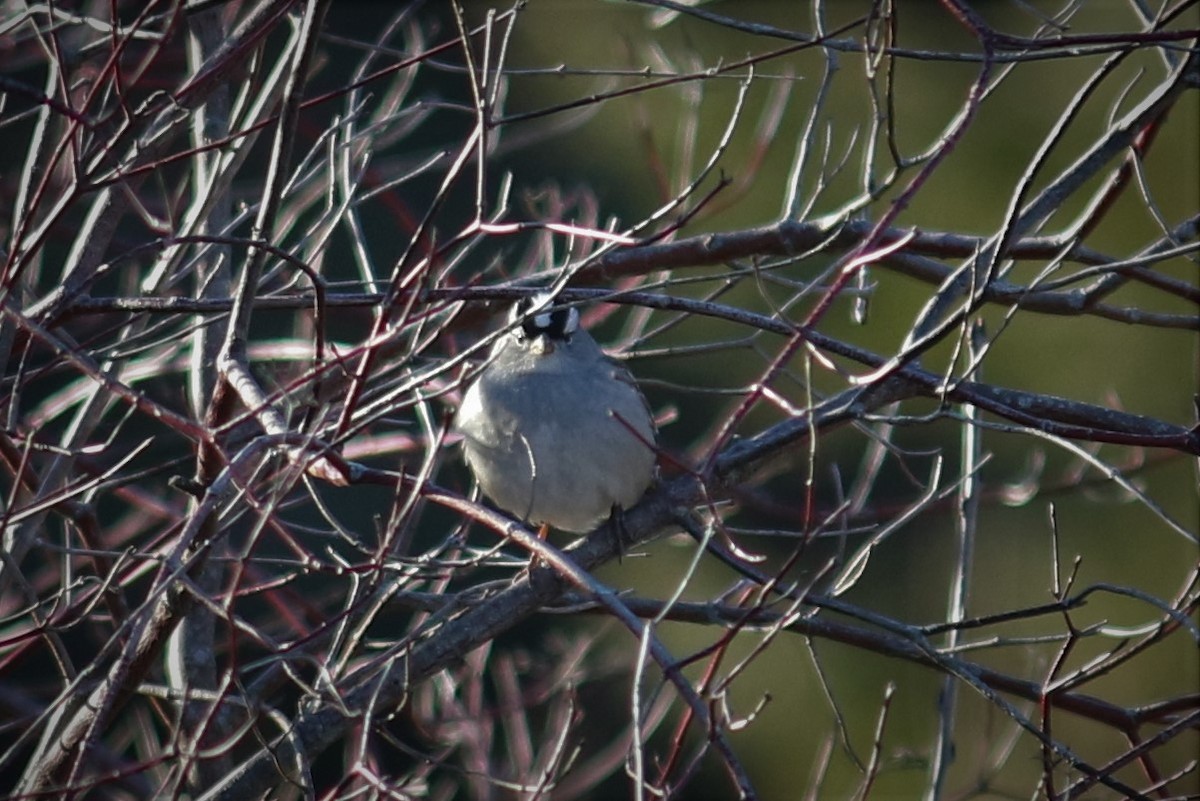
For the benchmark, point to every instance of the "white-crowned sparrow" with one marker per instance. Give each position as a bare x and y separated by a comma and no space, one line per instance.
555,431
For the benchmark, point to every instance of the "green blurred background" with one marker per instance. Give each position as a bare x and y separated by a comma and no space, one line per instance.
615,149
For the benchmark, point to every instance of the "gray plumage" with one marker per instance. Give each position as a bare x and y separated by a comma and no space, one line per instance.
548,424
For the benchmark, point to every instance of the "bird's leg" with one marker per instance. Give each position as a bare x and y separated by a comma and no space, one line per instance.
616,516
535,561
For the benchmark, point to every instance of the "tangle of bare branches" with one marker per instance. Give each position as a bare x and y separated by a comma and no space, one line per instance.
913,295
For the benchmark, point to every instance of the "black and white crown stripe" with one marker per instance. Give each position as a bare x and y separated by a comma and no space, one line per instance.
536,316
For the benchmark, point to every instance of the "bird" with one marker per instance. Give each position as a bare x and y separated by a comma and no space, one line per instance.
554,430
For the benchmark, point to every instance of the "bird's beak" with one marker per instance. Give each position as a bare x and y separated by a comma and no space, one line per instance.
542,345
